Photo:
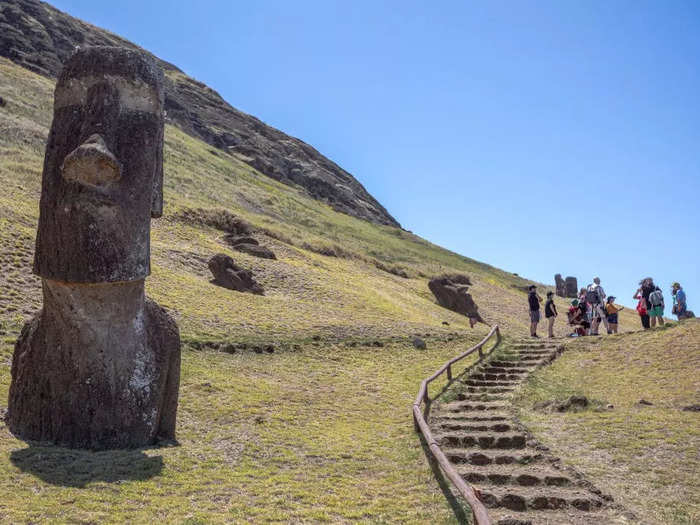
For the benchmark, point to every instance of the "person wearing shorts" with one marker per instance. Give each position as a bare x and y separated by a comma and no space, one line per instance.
611,310
550,312
534,302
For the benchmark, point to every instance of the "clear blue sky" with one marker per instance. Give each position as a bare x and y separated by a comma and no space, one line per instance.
540,137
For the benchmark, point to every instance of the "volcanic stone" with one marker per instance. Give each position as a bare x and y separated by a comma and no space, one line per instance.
451,291
98,367
229,275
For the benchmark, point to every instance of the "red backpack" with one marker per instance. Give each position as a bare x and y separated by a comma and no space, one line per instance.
642,307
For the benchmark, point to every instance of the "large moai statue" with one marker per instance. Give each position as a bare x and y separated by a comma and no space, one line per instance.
99,366
571,287
566,287
559,285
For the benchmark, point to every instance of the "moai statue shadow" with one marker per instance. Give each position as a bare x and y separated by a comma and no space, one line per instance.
99,366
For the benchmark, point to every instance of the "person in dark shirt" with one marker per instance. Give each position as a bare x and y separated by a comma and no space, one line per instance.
534,301
655,309
550,312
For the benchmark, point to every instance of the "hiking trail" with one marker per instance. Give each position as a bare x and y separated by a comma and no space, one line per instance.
517,478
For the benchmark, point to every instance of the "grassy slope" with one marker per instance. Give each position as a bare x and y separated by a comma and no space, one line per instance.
321,432
260,442
647,456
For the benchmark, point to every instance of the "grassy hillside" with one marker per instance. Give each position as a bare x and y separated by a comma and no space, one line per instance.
307,293
319,430
645,455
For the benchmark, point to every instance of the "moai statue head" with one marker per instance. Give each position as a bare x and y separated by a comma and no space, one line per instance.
103,169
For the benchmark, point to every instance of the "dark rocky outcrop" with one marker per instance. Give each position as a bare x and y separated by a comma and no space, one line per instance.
229,275
249,245
451,291
99,366
419,343
39,37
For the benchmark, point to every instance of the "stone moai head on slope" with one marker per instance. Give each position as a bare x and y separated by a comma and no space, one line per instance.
103,169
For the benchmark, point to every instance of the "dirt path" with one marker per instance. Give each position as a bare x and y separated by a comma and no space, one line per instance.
517,478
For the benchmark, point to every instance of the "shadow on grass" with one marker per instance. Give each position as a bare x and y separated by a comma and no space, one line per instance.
461,509
77,468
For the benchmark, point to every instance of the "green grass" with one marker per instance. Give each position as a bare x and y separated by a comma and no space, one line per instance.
321,434
646,456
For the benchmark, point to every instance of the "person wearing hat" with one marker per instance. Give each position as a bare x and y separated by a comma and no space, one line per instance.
534,301
680,307
611,310
550,312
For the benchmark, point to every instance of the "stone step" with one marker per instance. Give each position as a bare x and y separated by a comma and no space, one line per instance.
527,476
534,498
472,426
483,396
504,370
489,389
479,456
510,364
570,516
535,357
472,406
463,439
477,382
478,376
469,417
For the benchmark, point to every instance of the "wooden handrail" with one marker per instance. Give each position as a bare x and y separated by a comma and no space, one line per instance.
481,517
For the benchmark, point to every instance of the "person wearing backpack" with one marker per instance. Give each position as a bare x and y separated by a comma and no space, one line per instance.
656,306
550,312
595,296
534,301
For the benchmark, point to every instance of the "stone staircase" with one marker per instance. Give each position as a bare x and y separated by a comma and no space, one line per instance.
517,478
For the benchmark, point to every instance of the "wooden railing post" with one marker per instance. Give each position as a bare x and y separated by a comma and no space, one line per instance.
449,373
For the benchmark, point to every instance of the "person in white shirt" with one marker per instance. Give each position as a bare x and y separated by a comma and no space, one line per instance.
598,307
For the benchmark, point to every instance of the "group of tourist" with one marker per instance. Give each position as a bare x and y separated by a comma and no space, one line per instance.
593,307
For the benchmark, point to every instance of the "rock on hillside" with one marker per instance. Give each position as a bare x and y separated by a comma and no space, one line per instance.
37,36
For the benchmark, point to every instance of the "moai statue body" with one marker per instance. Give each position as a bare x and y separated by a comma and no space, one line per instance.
99,365
559,285
571,287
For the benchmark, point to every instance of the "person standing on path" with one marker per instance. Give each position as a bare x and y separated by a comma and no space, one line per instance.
680,306
534,301
595,295
611,310
655,305
642,307
550,312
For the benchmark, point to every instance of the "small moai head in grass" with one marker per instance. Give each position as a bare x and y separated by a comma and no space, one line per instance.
103,169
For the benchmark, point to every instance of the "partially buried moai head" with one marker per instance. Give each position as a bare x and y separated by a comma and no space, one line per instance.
103,169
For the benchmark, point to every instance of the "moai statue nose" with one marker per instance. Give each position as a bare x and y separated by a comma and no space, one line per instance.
91,163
